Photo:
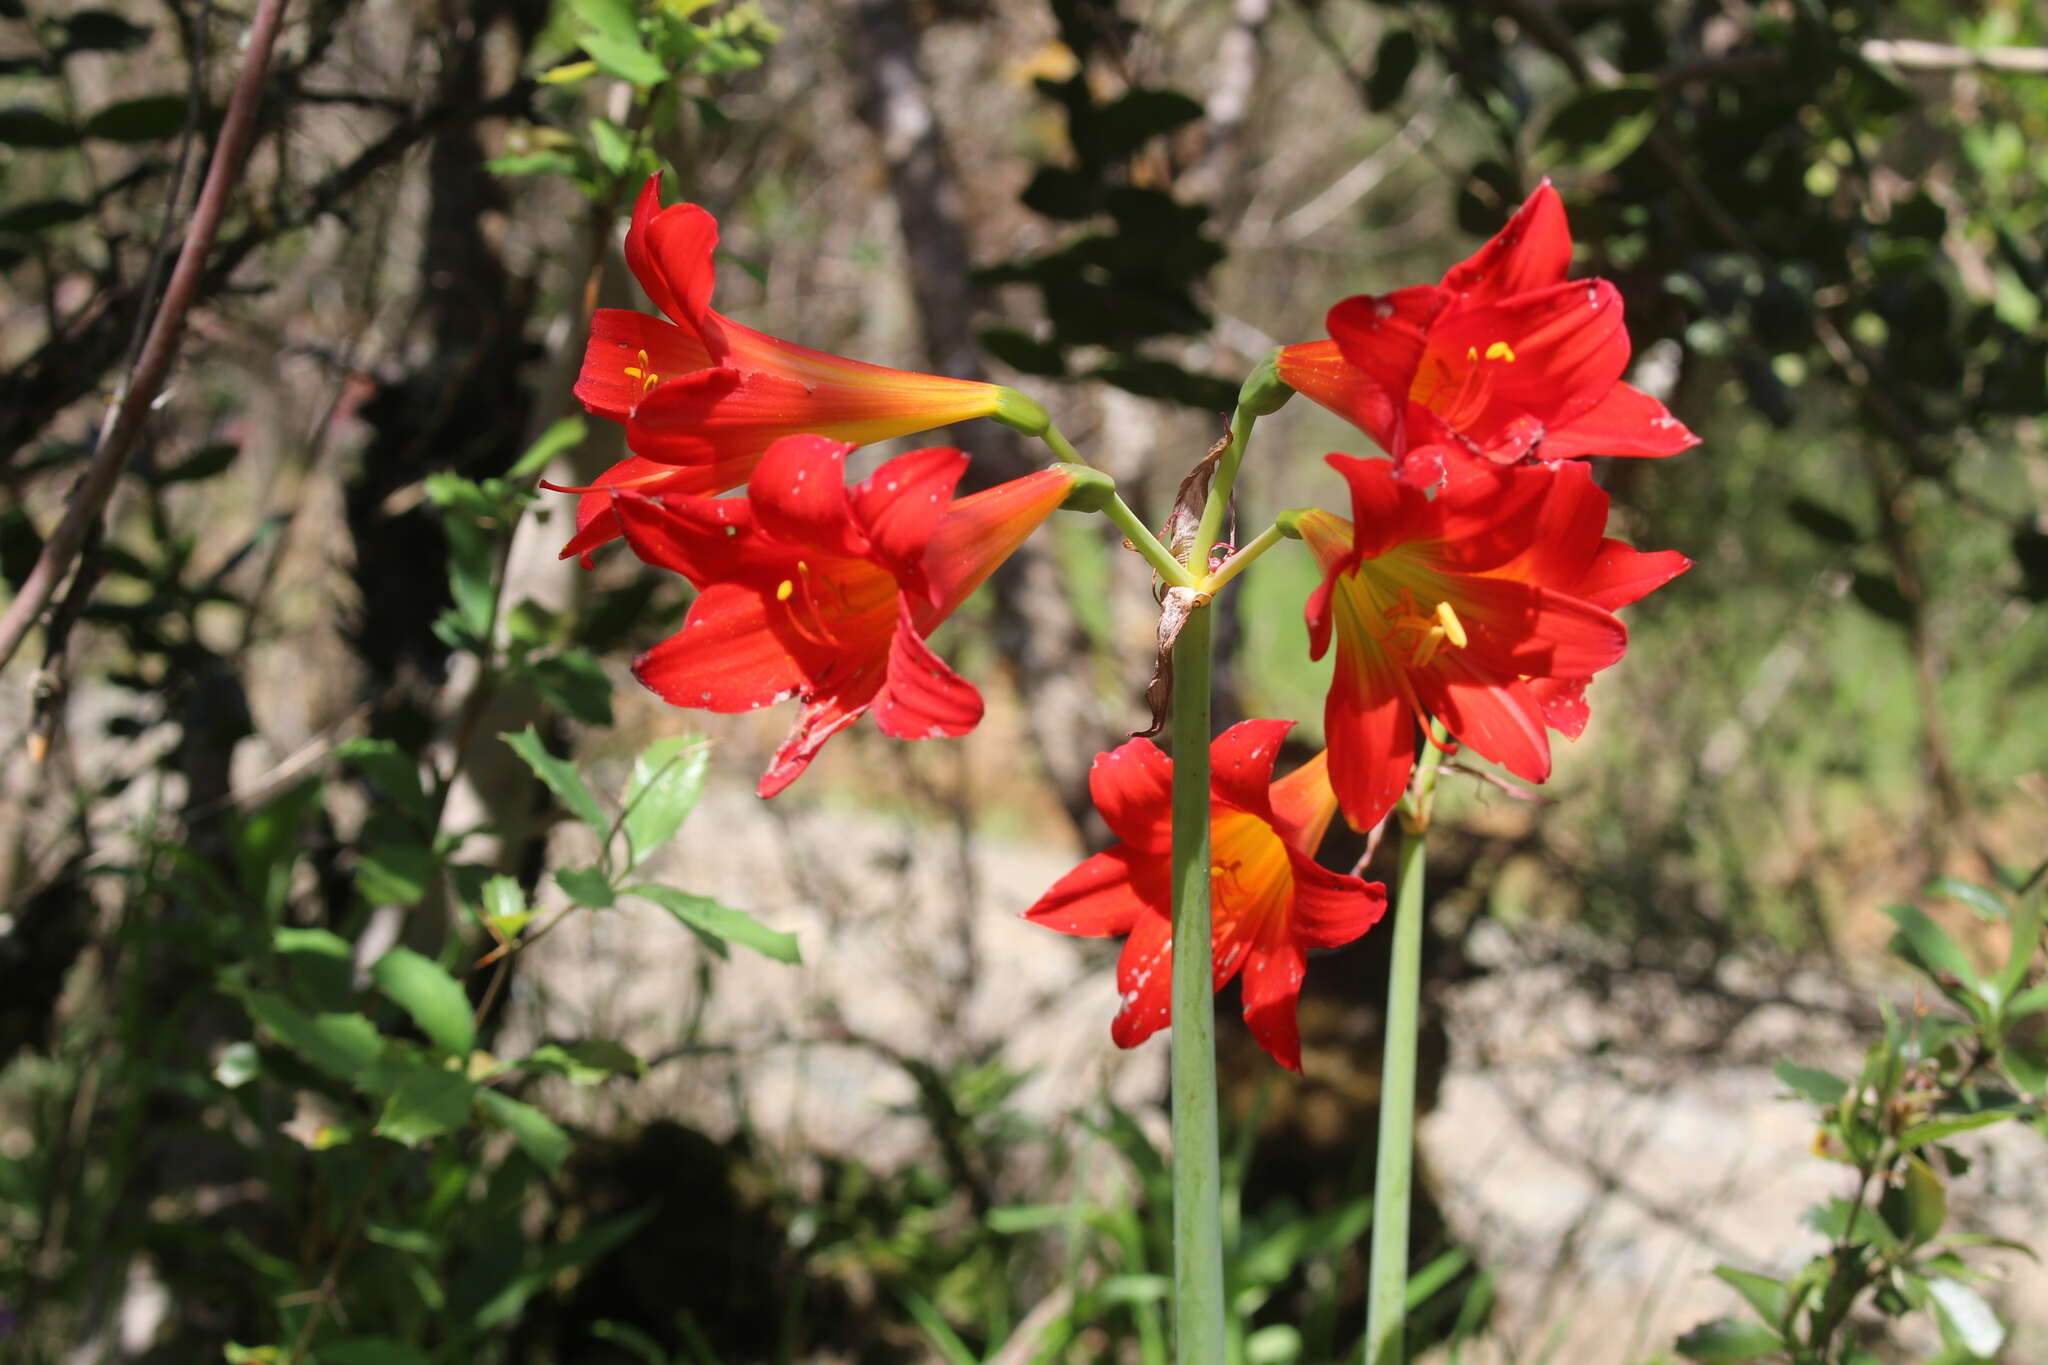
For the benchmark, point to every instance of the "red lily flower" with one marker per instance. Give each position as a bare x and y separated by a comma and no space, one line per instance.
814,590
1486,607
1504,359
1272,900
703,396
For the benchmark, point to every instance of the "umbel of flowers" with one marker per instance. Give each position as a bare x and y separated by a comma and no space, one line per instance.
1468,587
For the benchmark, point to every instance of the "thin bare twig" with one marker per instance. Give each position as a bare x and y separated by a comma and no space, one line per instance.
124,423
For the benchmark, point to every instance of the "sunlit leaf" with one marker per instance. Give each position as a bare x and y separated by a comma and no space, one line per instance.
435,1000
720,921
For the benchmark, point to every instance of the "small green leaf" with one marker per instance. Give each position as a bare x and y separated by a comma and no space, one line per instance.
1729,1339
1770,1298
613,18
1987,905
1926,1201
1598,129
613,146
539,1136
625,58
587,886
239,1064
708,916
395,773
2026,941
585,1063
1838,1219
667,779
372,1351
1948,1125
1921,942
2026,1066
435,1000
148,118
1013,1219
1972,1320
23,125
422,1101
561,778
342,1045
566,432
1822,1087
395,873
574,682
504,906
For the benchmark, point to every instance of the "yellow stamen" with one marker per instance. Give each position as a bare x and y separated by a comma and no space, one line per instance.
1454,629
783,590
648,378
1500,350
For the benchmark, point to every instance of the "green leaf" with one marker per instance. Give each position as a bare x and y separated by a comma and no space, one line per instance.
372,1351
147,118
707,916
566,432
422,1101
614,148
1012,1219
539,1136
395,873
667,779
239,1064
23,125
2026,941
203,463
585,1063
574,682
395,773
504,906
1921,942
1597,130
1948,1125
342,1045
561,778
2026,1066
625,58
1832,1221
587,886
2032,1000
1729,1339
1770,1298
37,215
1987,905
1926,1201
613,18
323,966
435,1000
1822,1087
1971,1319
504,1306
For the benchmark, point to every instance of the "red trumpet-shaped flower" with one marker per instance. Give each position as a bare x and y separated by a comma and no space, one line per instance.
813,590
1271,900
703,396
1502,360
1486,607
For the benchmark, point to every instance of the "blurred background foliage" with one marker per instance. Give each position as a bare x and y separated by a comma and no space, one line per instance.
320,737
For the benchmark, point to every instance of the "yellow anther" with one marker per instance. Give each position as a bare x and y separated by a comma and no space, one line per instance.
783,590
1500,350
1472,353
1453,628
648,378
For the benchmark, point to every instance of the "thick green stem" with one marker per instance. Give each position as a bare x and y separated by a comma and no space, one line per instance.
1211,525
1239,562
1197,1167
1393,1183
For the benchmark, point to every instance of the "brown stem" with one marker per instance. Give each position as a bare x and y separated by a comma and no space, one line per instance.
124,424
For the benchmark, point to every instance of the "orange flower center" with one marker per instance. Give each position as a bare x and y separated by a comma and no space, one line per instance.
1421,635
840,607
1458,393
1250,878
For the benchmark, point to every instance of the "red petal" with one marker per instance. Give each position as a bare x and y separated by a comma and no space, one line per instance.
1384,510
1517,629
1533,250
670,252
1625,422
1272,988
1621,574
1503,375
1486,516
1098,899
670,424
1384,334
1318,371
816,723
1564,704
622,340
982,530
1241,763
1371,732
726,658
922,698
1496,717
1303,802
1132,785
1331,909
798,492
687,535
1144,976
901,504
1566,531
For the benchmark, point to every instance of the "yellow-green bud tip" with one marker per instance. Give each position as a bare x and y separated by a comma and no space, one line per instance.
1092,489
1289,522
1014,409
1264,392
